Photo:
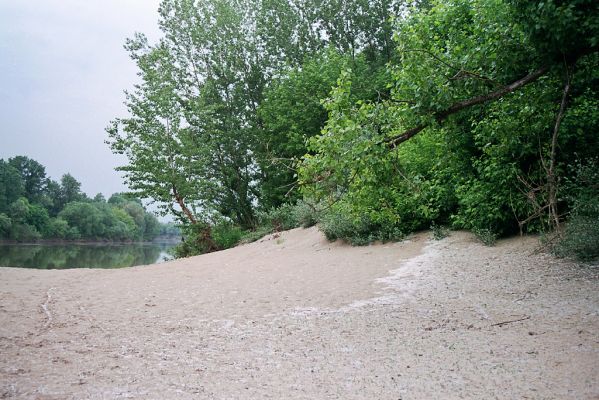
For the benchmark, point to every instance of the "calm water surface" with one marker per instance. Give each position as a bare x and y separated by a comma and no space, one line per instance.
60,256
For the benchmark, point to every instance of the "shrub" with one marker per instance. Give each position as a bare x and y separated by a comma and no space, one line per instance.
5,225
306,214
197,239
279,219
580,239
24,233
257,234
338,223
57,228
226,235
487,236
439,231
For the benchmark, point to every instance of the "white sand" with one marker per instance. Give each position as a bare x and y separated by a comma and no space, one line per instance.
296,317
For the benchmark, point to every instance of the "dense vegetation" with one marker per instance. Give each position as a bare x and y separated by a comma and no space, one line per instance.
373,118
33,206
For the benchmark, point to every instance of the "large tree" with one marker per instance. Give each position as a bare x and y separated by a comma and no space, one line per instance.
11,185
33,175
480,90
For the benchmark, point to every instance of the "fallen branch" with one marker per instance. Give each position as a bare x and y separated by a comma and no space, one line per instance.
461,105
511,321
440,116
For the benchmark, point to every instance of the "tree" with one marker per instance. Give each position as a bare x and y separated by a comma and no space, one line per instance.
86,218
484,84
5,225
11,185
33,175
70,189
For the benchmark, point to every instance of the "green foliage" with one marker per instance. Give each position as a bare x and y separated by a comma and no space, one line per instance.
279,219
306,214
339,222
38,217
33,176
19,210
240,103
580,239
11,185
258,233
5,225
487,236
226,235
23,233
483,168
197,239
85,217
57,228
439,231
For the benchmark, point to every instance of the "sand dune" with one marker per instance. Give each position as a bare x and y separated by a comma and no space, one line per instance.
296,317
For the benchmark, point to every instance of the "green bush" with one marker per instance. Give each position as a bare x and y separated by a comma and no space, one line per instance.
195,241
24,233
487,236
226,235
281,218
306,214
5,225
57,228
439,231
257,234
338,223
580,239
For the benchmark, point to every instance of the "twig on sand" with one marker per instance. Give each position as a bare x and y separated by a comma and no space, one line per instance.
510,321
45,308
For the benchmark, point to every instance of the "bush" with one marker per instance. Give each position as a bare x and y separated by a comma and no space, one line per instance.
580,239
486,236
57,228
24,233
257,234
357,231
5,225
197,239
279,219
226,235
306,214
439,231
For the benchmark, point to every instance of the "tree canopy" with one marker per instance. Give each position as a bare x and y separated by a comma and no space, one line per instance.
32,207
383,116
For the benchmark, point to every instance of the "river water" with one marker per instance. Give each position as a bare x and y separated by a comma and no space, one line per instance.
71,255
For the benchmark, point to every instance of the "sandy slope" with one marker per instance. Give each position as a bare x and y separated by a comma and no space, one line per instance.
296,317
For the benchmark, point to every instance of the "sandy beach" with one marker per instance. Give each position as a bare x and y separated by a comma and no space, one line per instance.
296,317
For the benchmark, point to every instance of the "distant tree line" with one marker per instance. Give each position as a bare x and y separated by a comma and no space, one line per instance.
33,207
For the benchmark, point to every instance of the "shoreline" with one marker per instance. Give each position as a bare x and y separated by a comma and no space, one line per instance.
87,242
296,317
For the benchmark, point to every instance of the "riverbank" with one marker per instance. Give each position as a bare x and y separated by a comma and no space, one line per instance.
296,317
171,240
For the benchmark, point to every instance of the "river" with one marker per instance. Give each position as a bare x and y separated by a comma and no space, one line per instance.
78,255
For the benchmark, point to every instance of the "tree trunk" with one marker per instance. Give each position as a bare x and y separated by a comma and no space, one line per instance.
551,175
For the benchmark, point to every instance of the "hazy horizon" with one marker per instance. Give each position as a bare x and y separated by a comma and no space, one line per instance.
63,70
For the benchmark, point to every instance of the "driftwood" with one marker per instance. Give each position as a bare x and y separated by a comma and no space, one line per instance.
510,321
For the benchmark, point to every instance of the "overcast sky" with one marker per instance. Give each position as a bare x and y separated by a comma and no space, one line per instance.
63,70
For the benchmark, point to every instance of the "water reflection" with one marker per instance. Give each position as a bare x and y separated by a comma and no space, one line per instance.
60,256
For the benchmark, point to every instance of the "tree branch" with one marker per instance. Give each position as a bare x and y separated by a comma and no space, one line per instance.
440,116
461,105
